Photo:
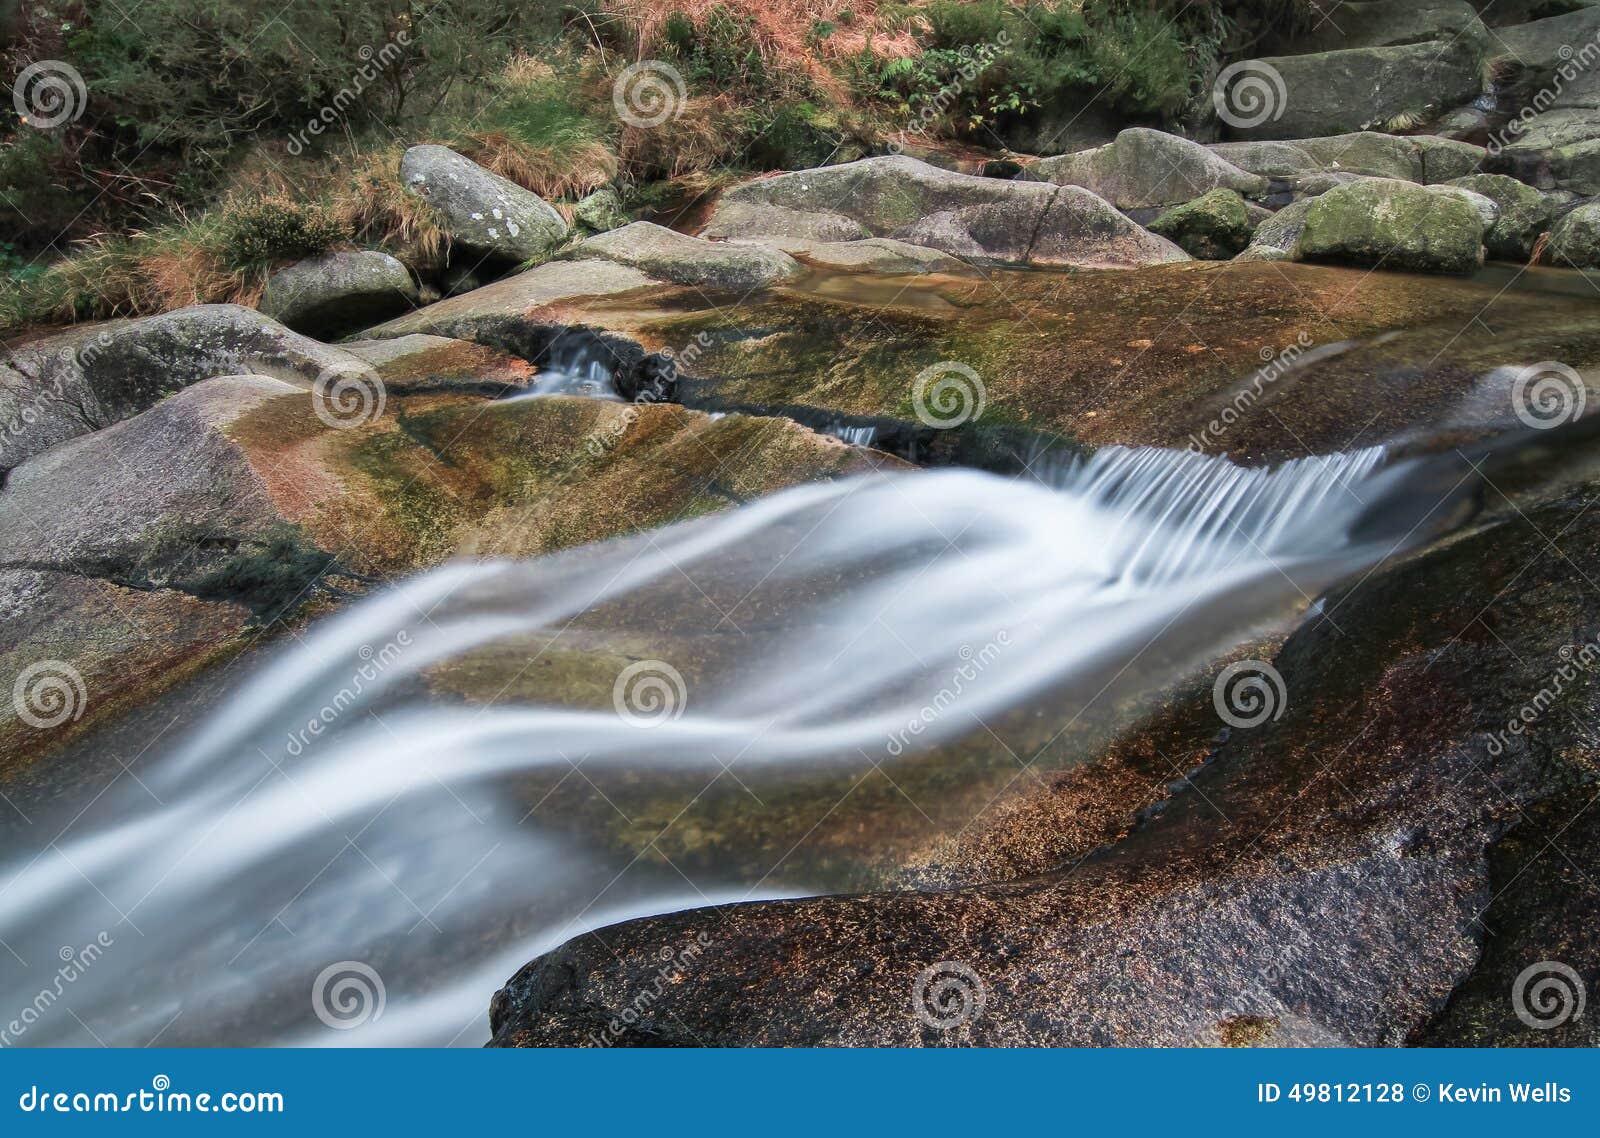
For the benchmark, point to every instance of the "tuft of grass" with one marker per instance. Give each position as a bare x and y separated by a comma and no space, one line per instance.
374,205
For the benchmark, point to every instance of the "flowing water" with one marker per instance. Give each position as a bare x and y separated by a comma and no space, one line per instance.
370,834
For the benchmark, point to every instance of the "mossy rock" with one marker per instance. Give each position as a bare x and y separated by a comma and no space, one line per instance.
1393,225
1213,227
1575,239
1524,214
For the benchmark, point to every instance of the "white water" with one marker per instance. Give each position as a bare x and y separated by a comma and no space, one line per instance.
800,638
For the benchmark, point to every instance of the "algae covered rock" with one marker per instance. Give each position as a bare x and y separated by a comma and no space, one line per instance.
1214,227
1575,238
600,211
1525,213
1393,225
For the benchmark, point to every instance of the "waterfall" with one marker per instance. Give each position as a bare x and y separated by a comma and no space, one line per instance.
373,797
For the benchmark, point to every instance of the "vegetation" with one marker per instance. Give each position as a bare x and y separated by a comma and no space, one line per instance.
217,141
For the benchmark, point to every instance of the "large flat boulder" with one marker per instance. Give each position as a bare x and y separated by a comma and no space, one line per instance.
979,219
672,256
482,211
1413,158
338,293
1143,169
1385,23
1335,92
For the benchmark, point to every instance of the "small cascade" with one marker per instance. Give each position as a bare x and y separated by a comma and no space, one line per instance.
573,366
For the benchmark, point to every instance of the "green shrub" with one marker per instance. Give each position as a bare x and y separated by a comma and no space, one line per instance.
260,232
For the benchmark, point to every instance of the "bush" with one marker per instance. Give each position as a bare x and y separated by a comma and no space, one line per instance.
259,233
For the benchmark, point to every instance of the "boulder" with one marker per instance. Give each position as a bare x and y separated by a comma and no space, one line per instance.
1274,239
600,211
1575,238
1146,168
1525,213
1414,158
523,296
1386,23
978,219
336,293
1213,227
66,385
672,256
1393,225
483,212
420,362
1552,139
1335,92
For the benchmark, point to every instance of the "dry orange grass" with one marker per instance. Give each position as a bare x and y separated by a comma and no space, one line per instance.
374,205
568,171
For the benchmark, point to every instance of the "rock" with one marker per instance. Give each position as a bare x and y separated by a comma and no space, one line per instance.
1387,23
1063,129
1488,209
1274,239
336,293
871,255
437,363
1146,168
1414,158
1542,46
672,256
1394,225
1575,238
979,219
482,211
601,211
519,297
1525,213
1214,227
1335,92
63,386
1552,139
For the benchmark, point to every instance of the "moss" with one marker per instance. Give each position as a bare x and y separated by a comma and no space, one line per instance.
1393,225
1215,227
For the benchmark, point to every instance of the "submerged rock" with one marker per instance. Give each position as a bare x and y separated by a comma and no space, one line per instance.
979,219
672,256
1146,168
1394,225
482,211
1215,227
337,293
